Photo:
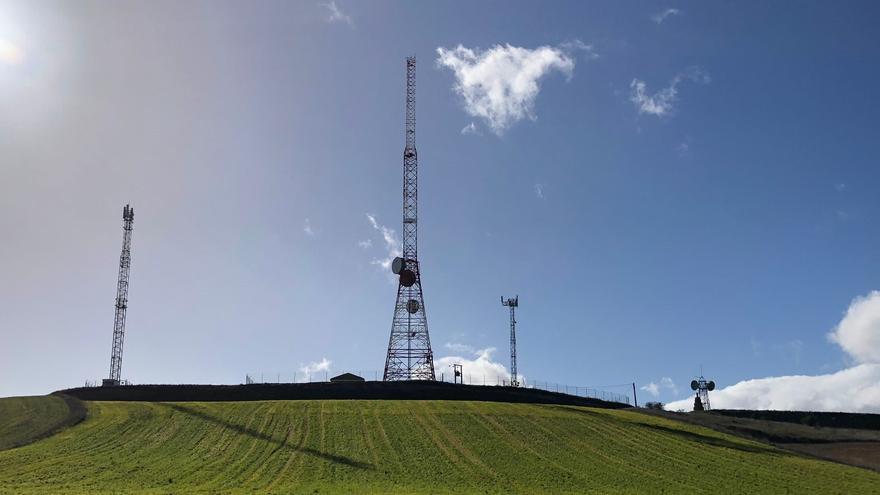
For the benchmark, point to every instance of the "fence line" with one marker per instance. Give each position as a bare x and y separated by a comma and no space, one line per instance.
594,392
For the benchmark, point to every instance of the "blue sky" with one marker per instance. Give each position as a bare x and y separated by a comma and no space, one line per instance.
720,217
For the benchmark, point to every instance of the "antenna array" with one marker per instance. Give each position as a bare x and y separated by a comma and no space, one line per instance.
701,387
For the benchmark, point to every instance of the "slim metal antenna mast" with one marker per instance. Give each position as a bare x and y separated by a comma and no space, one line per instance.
121,298
409,348
513,303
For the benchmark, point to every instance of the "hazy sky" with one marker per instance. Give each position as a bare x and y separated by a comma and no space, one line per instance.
664,185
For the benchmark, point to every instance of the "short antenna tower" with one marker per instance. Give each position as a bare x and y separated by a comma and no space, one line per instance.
513,304
701,388
409,348
121,299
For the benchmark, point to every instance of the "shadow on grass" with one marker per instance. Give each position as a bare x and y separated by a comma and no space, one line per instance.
688,435
714,441
262,436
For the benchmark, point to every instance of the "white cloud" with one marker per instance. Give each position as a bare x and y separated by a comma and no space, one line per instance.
336,14
684,147
392,243
858,333
661,103
855,389
667,383
307,228
365,244
840,187
654,389
456,347
661,16
470,129
500,85
313,367
477,370
539,191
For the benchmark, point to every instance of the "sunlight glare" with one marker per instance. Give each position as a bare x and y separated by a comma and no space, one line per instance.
10,53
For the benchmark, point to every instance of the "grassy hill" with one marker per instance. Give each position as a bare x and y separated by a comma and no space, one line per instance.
327,446
26,419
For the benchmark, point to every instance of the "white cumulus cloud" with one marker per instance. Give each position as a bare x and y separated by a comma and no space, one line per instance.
392,243
316,367
854,389
659,17
477,370
500,85
307,228
662,102
859,331
336,14
655,389
470,129
539,191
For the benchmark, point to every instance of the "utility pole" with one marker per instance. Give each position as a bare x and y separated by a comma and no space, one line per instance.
121,299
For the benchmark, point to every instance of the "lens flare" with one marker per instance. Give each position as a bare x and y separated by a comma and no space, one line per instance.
9,53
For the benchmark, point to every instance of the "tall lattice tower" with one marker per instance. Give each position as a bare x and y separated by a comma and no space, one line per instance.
513,304
409,348
121,299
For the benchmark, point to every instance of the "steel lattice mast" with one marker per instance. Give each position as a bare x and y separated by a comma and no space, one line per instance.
513,303
409,348
121,298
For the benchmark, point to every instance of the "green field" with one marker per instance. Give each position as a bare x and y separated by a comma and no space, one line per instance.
23,419
402,447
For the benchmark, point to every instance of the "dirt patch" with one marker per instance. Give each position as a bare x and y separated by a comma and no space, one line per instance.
862,454
852,446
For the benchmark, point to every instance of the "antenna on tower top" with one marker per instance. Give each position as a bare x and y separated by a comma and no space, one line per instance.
513,304
702,387
409,347
121,299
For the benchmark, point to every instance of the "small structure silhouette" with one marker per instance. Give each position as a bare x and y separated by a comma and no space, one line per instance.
347,377
702,387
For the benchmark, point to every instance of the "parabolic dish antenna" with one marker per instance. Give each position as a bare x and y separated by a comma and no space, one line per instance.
710,386
407,278
412,306
397,265
694,385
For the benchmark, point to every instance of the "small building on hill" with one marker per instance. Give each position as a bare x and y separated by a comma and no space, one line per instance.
347,377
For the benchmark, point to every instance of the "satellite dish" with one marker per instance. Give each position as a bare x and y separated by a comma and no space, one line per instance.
711,386
397,265
407,278
694,385
412,306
